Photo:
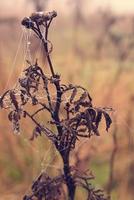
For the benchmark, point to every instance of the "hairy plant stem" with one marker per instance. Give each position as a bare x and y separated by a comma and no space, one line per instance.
65,155
68,177
45,44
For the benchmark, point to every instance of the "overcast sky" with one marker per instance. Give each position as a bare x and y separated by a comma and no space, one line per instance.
117,5
16,6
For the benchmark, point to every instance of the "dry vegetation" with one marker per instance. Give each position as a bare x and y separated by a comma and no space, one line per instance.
101,59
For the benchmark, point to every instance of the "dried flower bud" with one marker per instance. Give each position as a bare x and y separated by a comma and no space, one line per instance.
27,23
54,13
40,17
37,17
50,15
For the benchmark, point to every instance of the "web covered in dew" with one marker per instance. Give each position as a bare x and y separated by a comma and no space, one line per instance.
76,115
26,36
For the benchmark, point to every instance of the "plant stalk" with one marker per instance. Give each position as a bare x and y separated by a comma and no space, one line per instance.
68,177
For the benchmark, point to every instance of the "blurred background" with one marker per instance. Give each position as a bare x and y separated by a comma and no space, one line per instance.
93,46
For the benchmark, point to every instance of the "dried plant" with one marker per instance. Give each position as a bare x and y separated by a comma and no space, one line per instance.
72,119
112,160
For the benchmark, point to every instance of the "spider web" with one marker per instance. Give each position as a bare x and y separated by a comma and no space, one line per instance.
46,158
24,45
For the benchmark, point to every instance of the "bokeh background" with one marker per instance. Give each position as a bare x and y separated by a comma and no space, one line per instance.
93,45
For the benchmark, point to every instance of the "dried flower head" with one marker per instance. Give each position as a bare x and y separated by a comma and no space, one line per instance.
39,18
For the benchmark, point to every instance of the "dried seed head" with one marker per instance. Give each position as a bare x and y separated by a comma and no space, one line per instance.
37,17
41,17
27,23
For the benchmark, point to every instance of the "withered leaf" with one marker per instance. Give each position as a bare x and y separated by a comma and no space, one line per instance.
34,101
82,98
10,116
98,118
74,93
36,133
14,100
107,119
92,113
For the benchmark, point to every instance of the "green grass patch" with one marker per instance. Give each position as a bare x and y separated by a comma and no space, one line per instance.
14,174
101,171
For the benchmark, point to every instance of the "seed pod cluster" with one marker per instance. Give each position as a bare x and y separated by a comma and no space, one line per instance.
39,18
